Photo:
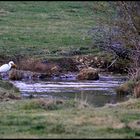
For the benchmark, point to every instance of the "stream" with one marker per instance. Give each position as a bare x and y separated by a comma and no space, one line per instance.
95,92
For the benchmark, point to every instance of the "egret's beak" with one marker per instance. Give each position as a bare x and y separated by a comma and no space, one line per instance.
14,66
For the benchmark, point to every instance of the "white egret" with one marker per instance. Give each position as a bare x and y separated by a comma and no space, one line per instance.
7,67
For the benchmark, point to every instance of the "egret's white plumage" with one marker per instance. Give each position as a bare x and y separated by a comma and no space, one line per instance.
7,67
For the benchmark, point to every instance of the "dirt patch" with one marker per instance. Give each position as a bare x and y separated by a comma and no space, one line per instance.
66,64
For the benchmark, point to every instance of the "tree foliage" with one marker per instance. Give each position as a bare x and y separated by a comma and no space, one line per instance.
119,33
129,19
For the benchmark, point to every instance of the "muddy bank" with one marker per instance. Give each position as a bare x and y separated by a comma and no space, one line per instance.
71,64
57,67
8,91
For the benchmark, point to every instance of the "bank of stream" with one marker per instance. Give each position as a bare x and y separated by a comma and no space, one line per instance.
95,92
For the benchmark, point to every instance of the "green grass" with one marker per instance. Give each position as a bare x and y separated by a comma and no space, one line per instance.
8,91
43,28
34,119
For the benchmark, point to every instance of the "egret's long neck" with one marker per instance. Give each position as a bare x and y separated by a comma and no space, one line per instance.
10,65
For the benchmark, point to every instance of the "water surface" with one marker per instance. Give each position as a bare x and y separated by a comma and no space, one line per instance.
95,92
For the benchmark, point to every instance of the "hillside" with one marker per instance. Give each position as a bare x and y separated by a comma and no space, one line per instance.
47,29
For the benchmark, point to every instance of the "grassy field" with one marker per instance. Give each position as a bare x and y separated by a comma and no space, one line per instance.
40,118
43,29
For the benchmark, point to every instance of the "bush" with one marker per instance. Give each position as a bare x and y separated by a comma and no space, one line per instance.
126,88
